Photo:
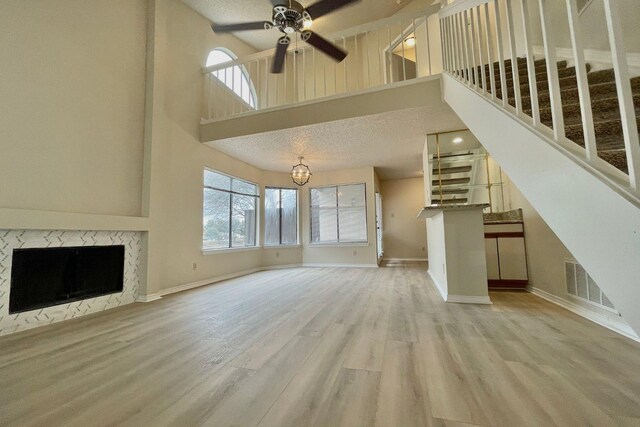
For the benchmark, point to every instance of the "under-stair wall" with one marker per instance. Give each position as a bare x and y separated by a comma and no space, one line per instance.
569,140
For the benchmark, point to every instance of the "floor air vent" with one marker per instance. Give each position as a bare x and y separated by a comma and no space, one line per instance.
581,285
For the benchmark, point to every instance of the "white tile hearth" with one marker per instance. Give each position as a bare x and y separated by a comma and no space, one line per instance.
15,239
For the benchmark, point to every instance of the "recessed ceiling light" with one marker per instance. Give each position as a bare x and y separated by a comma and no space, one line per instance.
457,140
410,41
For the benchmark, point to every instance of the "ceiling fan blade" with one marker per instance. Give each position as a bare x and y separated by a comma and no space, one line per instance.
324,45
225,28
281,52
324,7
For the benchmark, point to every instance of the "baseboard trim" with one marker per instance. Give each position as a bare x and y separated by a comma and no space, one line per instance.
619,327
314,265
204,282
148,298
466,299
279,267
443,294
405,259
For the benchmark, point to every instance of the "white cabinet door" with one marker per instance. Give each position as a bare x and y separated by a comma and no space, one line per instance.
493,267
513,263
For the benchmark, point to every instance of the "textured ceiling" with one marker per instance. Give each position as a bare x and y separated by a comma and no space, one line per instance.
391,142
225,11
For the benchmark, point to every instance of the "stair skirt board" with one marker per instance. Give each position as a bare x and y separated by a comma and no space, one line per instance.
616,326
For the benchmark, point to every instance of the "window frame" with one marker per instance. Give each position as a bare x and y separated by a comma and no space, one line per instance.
297,243
231,193
337,242
253,95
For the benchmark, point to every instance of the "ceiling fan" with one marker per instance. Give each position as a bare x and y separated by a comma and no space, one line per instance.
290,17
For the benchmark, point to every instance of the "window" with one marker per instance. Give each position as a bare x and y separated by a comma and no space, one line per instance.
280,216
235,78
229,212
339,214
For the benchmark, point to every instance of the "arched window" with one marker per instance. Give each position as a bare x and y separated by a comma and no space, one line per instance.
235,78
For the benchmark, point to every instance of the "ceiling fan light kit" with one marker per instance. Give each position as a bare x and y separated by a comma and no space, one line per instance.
291,18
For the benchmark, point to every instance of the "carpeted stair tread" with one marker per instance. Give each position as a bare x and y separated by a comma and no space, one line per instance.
604,103
602,109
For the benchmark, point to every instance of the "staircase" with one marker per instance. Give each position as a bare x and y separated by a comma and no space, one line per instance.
604,103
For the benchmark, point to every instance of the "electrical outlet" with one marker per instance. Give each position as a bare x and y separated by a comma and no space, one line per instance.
195,266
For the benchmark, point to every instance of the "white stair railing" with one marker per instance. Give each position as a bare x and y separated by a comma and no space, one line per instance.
389,51
478,34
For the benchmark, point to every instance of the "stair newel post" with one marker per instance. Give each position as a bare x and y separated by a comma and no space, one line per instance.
548,40
489,37
503,74
625,95
472,47
583,81
531,66
514,57
480,55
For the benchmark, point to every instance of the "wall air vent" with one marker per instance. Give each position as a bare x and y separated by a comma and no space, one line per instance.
581,285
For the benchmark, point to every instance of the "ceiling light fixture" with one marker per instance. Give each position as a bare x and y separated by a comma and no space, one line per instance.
307,23
457,140
300,174
410,41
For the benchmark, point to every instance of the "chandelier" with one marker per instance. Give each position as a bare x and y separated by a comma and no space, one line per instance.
300,173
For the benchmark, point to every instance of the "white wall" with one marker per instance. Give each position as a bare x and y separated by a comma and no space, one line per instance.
405,236
72,105
545,252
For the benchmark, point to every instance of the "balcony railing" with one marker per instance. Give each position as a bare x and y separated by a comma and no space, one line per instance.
509,52
385,52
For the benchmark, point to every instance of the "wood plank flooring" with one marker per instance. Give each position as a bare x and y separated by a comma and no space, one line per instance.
324,347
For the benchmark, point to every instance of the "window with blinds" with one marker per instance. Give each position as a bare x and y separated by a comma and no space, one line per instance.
229,212
280,216
339,214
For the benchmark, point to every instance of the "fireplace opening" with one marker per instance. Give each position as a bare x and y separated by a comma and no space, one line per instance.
44,277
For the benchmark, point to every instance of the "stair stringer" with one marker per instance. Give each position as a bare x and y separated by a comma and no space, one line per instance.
597,223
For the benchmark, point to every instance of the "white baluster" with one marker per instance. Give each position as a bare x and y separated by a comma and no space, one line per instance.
625,95
531,66
481,56
472,48
426,31
335,80
489,37
548,40
503,74
404,65
583,81
514,57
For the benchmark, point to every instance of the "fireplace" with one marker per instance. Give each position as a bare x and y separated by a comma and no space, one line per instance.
45,277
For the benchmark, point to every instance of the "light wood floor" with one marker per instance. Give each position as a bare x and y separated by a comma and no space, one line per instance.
328,347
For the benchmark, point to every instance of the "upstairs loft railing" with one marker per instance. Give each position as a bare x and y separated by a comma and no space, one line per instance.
508,51
385,52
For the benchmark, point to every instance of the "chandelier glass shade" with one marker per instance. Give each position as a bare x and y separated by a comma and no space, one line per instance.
300,174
